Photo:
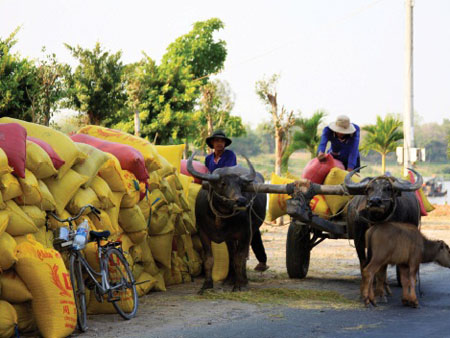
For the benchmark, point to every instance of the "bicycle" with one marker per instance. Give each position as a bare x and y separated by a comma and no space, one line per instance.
114,281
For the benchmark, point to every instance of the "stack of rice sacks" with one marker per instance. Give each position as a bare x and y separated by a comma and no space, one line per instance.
145,202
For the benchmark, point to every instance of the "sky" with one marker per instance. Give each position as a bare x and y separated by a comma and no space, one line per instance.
341,56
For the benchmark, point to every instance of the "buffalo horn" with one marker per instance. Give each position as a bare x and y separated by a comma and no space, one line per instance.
251,176
196,174
402,185
352,187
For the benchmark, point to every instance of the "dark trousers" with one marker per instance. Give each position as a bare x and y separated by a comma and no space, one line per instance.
258,247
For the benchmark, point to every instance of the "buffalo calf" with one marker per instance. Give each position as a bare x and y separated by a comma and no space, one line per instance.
404,245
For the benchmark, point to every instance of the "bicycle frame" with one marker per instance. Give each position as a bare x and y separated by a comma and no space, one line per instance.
104,287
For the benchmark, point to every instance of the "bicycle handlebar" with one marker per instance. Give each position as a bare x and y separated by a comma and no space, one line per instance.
73,218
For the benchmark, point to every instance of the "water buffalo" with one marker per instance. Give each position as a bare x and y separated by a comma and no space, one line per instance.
404,245
379,199
225,213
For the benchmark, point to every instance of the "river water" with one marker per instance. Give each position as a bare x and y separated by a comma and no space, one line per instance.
444,199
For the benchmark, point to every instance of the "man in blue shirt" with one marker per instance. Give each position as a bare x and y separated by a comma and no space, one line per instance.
344,139
220,158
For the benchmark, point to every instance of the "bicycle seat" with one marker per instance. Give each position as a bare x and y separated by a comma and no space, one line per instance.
99,234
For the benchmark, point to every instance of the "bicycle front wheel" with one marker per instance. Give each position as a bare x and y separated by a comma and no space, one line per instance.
122,293
79,291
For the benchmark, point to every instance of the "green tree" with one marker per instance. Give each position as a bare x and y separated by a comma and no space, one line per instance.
282,120
198,49
382,137
164,96
48,90
17,78
96,87
216,104
305,137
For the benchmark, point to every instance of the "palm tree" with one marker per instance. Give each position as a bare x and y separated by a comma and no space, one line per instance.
304,138
382,137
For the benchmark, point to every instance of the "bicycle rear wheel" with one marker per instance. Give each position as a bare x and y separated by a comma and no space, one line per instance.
79,291
123,296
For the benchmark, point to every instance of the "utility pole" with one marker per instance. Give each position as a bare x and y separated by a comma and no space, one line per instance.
408,114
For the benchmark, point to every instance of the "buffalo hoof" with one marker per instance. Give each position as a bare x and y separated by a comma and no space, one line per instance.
382,299
405,302
206,286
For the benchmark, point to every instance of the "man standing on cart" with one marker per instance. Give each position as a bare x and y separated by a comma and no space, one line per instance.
344,139
221,158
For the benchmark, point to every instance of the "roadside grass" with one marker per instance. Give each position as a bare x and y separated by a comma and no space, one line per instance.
295,298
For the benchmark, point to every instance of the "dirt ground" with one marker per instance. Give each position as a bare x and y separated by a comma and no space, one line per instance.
332,282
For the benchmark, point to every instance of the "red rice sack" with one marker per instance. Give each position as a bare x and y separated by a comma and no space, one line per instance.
316,171
56,160
13,141
130,159
198,166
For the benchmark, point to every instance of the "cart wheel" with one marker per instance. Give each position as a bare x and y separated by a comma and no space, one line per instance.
297,250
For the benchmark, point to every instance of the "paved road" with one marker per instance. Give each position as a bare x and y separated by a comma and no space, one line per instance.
432,319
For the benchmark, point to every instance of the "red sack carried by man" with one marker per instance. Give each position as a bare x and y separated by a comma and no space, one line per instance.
316,170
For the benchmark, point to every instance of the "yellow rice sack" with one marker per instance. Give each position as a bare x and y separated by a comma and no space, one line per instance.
111,172
145,147
44,237
39,162
4,167
65,188
31,195
24,238
145,283
46,276
161,247
174,182
37,215
144,205
189,223
138,237
277,202
90,167
8,253
113,212
167,190
13,289
2,203
103,192
59,141
104,223
132,219
48,202
83,197
319,206
147,258
191,257
336,176
166,168
132,195
197,243
4,220
172,153
8,319
186,181
161,221
19,222
153,181
194,189
25,317
426,203
10,187
221,261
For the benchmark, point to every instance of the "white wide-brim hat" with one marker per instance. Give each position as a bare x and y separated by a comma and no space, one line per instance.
342,125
